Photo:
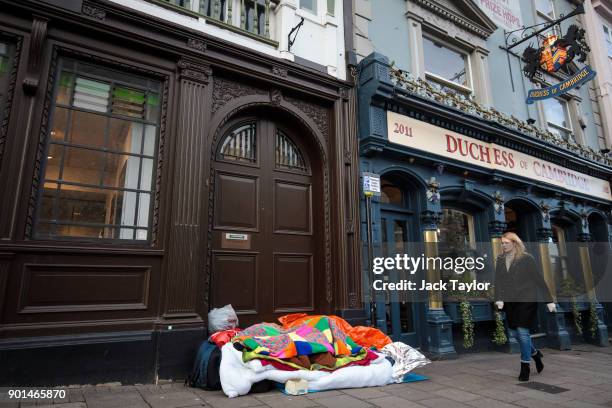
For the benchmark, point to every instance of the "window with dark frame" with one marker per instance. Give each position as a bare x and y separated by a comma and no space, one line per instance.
100,156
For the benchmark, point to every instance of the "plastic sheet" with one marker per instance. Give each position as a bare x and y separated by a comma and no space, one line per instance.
223,318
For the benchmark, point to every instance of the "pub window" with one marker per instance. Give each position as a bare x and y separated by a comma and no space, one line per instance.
446,66
545,14
310,5
240,144
608,38
456,234
100,155
390,193
557,116
6,57
288,156
331,7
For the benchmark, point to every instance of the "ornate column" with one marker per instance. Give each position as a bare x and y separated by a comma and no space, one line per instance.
439,325
415,39
600,337
185,255
496,230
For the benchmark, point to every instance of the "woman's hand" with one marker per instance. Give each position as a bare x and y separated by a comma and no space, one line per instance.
499,304
552,308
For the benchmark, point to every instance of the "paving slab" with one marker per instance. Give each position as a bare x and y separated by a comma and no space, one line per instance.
175,399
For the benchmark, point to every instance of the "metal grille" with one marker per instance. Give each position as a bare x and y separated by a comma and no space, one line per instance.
288,156
241,144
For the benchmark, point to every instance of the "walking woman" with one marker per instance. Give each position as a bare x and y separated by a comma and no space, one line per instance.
517,281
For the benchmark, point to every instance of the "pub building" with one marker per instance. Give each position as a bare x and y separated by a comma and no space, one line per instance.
457,175
162,158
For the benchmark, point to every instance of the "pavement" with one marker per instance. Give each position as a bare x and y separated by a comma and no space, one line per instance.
579,378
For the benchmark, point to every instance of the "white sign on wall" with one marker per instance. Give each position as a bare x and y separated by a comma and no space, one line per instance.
433,139
505,13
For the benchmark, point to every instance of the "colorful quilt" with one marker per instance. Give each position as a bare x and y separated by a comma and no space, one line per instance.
317,335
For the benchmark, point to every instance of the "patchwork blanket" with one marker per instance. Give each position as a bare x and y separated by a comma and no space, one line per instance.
317,335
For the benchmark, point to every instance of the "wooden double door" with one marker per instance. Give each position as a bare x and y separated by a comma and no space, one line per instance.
266,257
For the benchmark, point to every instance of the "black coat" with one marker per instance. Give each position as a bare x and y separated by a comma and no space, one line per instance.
518,289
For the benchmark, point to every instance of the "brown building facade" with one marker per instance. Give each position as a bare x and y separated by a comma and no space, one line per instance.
148,173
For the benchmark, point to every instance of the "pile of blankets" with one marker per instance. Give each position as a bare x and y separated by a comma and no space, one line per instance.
318,349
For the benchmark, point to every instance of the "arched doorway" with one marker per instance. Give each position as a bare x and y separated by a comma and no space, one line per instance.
399,209
266,247
523,217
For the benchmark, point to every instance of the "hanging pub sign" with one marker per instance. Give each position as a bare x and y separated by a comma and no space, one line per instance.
556,53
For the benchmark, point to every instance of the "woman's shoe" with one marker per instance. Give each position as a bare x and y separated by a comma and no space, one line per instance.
537,357
524,375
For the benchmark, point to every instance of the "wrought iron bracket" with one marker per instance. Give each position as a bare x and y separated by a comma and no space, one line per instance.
295,30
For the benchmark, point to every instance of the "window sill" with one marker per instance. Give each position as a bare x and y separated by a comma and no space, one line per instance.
313,18
238,30
176,8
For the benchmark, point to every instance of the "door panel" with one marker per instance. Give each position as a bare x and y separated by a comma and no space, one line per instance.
240,197
293,283
292,208
238,283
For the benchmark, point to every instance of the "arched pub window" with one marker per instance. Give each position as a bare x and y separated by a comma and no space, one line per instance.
456,236
100,155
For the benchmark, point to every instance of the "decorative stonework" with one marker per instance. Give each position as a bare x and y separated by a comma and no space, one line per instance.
348,157
544,234
317,113
445,15
344,94
196,44
584,218
42,138
93,12
545,209
433,193
352,298
12,80
160,165
279,72
430,220
433,92
225,90
37,46
194,71
498,205
276,96
497,228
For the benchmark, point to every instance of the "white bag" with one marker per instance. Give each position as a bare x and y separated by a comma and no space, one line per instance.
223,318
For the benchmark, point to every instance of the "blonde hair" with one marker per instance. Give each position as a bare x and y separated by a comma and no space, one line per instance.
519,246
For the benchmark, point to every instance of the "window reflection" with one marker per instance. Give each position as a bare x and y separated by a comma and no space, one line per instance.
445,66
99,167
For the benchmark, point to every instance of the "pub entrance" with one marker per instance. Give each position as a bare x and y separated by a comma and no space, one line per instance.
266,252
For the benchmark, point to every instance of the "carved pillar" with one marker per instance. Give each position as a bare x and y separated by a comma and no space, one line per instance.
480,69
415,41
439,325
185,253
347,166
